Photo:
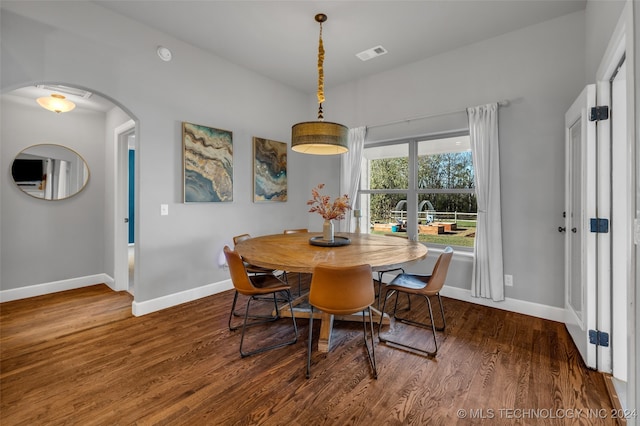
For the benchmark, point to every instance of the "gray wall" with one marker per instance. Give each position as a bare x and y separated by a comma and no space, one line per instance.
44,241
540,70
601,18
81,44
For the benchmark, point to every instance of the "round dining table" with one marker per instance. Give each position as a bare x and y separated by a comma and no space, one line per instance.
295,253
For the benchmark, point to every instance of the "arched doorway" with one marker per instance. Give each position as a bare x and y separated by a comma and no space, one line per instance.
50,246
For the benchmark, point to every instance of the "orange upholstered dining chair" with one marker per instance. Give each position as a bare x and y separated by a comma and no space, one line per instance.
252,269
296,231
343,291
268,285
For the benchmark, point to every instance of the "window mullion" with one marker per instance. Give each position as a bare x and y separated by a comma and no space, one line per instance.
412,194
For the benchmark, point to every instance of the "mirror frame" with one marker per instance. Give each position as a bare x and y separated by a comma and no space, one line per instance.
53,167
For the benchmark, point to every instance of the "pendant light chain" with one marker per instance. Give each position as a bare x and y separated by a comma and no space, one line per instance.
320,76
320,137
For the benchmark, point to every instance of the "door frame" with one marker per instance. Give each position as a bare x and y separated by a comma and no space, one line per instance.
621,45
121,203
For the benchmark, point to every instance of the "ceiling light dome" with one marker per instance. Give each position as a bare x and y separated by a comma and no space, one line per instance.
56,103
320,137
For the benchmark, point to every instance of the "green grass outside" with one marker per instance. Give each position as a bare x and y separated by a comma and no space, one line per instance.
464,236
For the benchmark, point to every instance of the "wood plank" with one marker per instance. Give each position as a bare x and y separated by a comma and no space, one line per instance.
80,357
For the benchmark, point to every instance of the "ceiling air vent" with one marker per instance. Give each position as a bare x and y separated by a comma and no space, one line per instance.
66,90
371,53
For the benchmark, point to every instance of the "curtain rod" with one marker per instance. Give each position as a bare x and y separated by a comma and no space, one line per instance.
503,103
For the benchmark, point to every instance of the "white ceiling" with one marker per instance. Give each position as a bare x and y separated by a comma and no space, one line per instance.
279,39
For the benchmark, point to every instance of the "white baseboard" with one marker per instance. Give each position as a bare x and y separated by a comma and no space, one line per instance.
513,305
142,308
54,287
157,304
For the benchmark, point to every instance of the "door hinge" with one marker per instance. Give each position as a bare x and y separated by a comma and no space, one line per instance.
599,338
600,225
599,113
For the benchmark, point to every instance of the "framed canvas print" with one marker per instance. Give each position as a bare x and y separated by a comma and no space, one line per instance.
208,164
269,170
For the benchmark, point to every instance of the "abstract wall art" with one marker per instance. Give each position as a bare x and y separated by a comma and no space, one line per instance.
269,170
208,164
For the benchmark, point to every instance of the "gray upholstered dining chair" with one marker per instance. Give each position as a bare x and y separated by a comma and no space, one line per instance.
425,286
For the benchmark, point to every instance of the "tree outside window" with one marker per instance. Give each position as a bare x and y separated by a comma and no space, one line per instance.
444,187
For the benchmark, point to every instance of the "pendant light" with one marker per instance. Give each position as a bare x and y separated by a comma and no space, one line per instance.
56,103
320,137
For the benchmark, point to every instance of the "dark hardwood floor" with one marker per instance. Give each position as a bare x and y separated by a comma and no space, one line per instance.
80,357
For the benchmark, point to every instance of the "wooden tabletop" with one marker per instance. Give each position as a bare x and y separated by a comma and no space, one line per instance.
294,253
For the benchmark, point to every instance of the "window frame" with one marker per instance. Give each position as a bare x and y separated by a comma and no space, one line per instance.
412,193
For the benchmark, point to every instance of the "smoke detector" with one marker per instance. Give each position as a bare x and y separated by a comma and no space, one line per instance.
371,53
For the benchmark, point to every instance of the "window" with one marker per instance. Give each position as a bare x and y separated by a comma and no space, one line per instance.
421,188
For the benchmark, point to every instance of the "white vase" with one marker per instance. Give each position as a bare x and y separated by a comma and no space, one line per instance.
327,230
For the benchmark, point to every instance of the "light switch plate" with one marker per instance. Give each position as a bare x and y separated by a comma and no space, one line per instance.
164,209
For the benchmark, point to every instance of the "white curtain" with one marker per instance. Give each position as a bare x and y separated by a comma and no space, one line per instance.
48,188
350,170
62,179
488,275
57,179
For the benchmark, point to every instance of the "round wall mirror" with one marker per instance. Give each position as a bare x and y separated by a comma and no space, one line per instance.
50,172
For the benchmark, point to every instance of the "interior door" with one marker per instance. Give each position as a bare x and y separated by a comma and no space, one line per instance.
121,206
580,202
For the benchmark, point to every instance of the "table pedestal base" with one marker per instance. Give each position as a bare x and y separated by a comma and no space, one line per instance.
326,320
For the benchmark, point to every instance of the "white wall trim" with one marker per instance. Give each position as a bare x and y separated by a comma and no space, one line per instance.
142,308
159,303
54,287
513,305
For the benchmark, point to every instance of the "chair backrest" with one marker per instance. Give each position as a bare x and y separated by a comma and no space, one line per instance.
295,231
241,237
439,274
341,290
239,277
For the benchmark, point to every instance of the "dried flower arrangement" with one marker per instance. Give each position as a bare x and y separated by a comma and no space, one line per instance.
322,204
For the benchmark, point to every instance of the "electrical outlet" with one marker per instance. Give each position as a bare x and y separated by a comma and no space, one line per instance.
508,280
164,209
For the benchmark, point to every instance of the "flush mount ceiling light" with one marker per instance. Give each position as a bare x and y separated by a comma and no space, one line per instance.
56,103
320,137
164,53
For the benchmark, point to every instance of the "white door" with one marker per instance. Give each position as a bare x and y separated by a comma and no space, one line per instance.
121,206
580,202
